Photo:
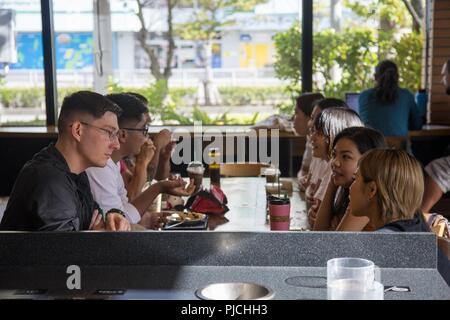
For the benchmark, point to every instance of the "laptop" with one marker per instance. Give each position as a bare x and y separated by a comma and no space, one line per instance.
351,98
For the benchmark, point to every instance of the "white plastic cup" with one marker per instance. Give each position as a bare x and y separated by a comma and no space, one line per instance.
352,289
353,279
156,204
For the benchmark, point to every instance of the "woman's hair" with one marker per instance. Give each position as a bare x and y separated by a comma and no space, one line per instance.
399,180
332,121
330,103
305,102
386,75
364,138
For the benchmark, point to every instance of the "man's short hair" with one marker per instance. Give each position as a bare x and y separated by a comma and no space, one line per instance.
139,96
132,107
87,102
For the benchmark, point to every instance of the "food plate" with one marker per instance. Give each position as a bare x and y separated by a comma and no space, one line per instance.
185,220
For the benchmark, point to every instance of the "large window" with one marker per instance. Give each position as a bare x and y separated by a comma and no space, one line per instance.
220,68
74,46
22,99
351,37
226,65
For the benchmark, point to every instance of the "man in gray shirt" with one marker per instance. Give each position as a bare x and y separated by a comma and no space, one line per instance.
437,181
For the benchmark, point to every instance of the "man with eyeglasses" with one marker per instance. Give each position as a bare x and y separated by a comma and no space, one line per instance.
52,191
158,168
107,184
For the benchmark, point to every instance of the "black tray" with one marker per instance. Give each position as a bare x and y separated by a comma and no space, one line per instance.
187,225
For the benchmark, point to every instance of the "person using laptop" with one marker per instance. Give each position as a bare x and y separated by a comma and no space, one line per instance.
387,107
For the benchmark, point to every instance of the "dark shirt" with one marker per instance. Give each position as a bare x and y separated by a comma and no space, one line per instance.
417,224
48,197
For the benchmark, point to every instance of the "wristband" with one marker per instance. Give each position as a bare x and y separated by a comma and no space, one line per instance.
115,210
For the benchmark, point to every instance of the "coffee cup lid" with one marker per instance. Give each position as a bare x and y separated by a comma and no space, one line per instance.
278,201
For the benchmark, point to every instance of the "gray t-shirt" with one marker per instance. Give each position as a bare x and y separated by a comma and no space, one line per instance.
439,171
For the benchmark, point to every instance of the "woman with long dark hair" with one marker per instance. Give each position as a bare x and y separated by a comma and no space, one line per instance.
348,147
327,126
387,107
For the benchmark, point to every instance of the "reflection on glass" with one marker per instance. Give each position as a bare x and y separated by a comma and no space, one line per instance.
22,100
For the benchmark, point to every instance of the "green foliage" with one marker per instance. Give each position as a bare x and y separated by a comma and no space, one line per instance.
169,109
354,52
288,56
287,107
32,123
240,96
19,97
391,12
408,58
205,23
114,86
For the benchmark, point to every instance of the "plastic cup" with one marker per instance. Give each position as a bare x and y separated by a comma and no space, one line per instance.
353,279
352,289
195,171
279,213
271,174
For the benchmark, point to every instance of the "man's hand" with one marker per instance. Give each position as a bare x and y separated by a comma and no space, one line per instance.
166,152
303,182
153,220
312,213
117,222
177,187
97,221
162,139
146,154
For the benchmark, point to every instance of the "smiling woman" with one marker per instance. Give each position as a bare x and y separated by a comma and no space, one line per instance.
348,147
327,125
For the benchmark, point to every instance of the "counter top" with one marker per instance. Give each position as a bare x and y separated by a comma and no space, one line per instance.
172,265
169,282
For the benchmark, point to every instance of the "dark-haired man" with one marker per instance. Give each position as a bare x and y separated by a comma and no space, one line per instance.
52,190
107,183
134,173
437,181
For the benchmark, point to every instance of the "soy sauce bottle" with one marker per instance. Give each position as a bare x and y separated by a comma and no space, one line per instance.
214,166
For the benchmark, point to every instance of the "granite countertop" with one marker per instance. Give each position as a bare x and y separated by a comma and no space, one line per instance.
165,265
169,282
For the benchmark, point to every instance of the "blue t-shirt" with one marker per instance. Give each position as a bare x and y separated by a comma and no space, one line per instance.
392,119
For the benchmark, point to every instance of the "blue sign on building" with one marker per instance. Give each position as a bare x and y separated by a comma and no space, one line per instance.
72,51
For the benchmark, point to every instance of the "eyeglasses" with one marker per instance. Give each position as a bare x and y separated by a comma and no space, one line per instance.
111,134
144,130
